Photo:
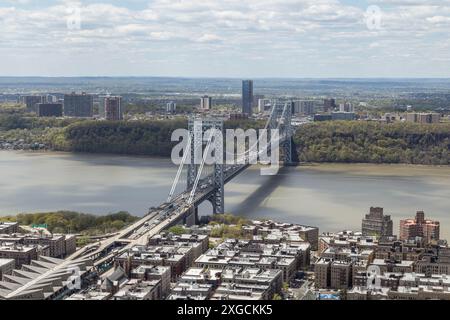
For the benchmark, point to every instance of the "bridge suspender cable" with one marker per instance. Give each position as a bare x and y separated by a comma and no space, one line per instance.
269,123
180,169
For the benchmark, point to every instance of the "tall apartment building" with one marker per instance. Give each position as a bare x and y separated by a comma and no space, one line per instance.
9,227
423,117
377,224
303,107
171,107
256,98
78,105
101,106
113,108
205,103
419,227
266,281
411,250
50,109
435,261
406,286
346,107
32,101
329,105
247,96
19,253
70,244
322,273
58,245
340,275
49,98
264,105
179,255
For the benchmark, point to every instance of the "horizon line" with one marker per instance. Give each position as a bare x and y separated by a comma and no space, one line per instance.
231,78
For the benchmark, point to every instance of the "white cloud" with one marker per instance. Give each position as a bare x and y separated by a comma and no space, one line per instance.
168,29
208,38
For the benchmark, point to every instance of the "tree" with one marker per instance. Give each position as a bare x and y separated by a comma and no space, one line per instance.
362,141
178,230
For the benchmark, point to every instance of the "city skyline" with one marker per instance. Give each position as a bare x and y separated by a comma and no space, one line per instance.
255,39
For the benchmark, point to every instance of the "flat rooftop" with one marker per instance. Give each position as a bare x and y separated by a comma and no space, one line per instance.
6,261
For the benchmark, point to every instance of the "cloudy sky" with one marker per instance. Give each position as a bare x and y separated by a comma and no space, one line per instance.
226,38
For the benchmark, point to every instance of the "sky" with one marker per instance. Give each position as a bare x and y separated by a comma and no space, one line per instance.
226,38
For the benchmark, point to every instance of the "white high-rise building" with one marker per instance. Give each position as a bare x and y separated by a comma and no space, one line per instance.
264,104
51,98
205,103
346,107
171,107
303,107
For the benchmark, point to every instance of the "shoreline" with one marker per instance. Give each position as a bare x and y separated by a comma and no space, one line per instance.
50,152
337,166
308,165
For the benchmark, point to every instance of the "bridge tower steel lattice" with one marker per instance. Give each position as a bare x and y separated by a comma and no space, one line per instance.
281,119
197,127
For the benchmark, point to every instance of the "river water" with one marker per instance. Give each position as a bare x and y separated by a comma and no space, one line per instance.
331,196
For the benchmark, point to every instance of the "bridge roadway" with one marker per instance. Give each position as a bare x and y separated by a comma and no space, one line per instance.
158,219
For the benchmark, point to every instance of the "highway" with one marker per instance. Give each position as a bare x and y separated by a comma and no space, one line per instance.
158,219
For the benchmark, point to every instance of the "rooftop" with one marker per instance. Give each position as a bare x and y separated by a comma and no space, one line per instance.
90,295
6,261
136,289
41,279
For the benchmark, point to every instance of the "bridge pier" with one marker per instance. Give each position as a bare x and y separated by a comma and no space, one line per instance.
292,158
287,152
191,219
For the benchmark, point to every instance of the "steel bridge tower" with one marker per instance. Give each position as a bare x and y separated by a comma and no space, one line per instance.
281,119
196,128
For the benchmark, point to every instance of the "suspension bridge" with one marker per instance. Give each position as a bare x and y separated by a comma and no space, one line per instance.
202,184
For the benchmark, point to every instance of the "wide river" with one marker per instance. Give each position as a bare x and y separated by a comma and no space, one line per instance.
332,197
